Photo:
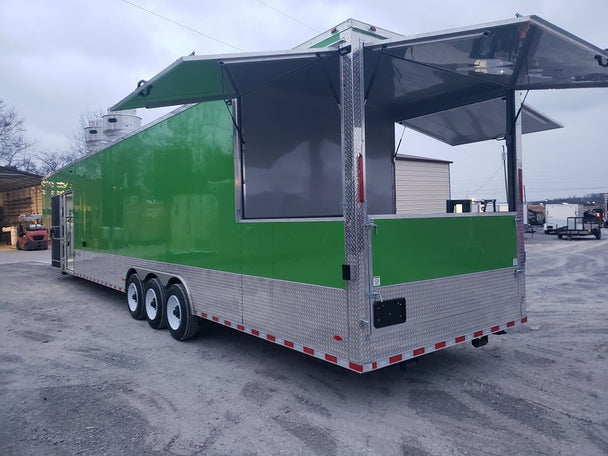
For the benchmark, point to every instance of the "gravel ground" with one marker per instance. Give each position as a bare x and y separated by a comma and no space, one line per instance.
78,376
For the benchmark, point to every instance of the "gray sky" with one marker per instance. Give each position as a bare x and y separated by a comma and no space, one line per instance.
64,58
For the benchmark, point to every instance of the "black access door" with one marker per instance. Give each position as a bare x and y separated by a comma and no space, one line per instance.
55,231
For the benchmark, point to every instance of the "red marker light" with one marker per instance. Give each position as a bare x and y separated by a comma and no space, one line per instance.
361,183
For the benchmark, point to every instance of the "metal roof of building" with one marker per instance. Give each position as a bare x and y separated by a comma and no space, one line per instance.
13,179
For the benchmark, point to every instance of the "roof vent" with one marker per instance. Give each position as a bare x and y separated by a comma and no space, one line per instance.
119,123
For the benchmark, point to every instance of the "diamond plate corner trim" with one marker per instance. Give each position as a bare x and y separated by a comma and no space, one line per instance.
355,212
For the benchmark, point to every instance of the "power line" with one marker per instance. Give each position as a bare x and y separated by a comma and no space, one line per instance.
489,179
182,25
287,15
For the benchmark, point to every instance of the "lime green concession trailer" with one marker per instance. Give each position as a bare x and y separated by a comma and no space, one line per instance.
266,201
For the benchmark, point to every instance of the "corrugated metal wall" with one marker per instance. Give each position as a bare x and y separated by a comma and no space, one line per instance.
21,201
422,187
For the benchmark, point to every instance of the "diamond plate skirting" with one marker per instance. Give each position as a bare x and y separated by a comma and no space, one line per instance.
308,315
444,309
437,310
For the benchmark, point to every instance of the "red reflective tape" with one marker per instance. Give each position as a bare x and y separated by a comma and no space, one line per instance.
215,319
478,334
227,323
308,350
419,351
288,343
494,329
270,338
204,315
361,182
460,339
511,323
374,365
520,175
524,320
255,332
395,359
439,345
240,327
355,367
331,358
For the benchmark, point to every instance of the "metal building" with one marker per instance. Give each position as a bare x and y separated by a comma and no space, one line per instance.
422,185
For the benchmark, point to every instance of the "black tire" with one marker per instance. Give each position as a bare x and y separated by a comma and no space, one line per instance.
135,297
155,303
18,246
183,325
598,234
559,236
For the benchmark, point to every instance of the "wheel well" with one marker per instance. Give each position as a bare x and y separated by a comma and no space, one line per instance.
177,280
130,272
149,276
173,281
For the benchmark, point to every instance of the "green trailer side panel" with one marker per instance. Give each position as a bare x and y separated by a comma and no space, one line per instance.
168,194
411,249
296,251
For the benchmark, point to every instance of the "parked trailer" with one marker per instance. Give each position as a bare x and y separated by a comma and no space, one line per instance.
578,226
556,215
266,203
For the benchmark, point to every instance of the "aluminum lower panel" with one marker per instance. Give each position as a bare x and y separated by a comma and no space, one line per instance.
306,314
446,308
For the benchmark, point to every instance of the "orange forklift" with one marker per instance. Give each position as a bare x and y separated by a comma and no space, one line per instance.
34,235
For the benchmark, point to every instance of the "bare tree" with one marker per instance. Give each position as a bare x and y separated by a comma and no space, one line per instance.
78,148
51,162
78,143
14,148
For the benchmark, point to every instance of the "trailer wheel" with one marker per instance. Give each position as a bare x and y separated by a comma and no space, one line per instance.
155,304
182,324
598,233
135,297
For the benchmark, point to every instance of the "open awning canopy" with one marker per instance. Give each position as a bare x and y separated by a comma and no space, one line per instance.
477,122
449,85
525,53
194,79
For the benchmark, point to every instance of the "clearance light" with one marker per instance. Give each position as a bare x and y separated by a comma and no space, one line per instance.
361,183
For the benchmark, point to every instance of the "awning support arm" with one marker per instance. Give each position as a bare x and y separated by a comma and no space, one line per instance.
234,122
